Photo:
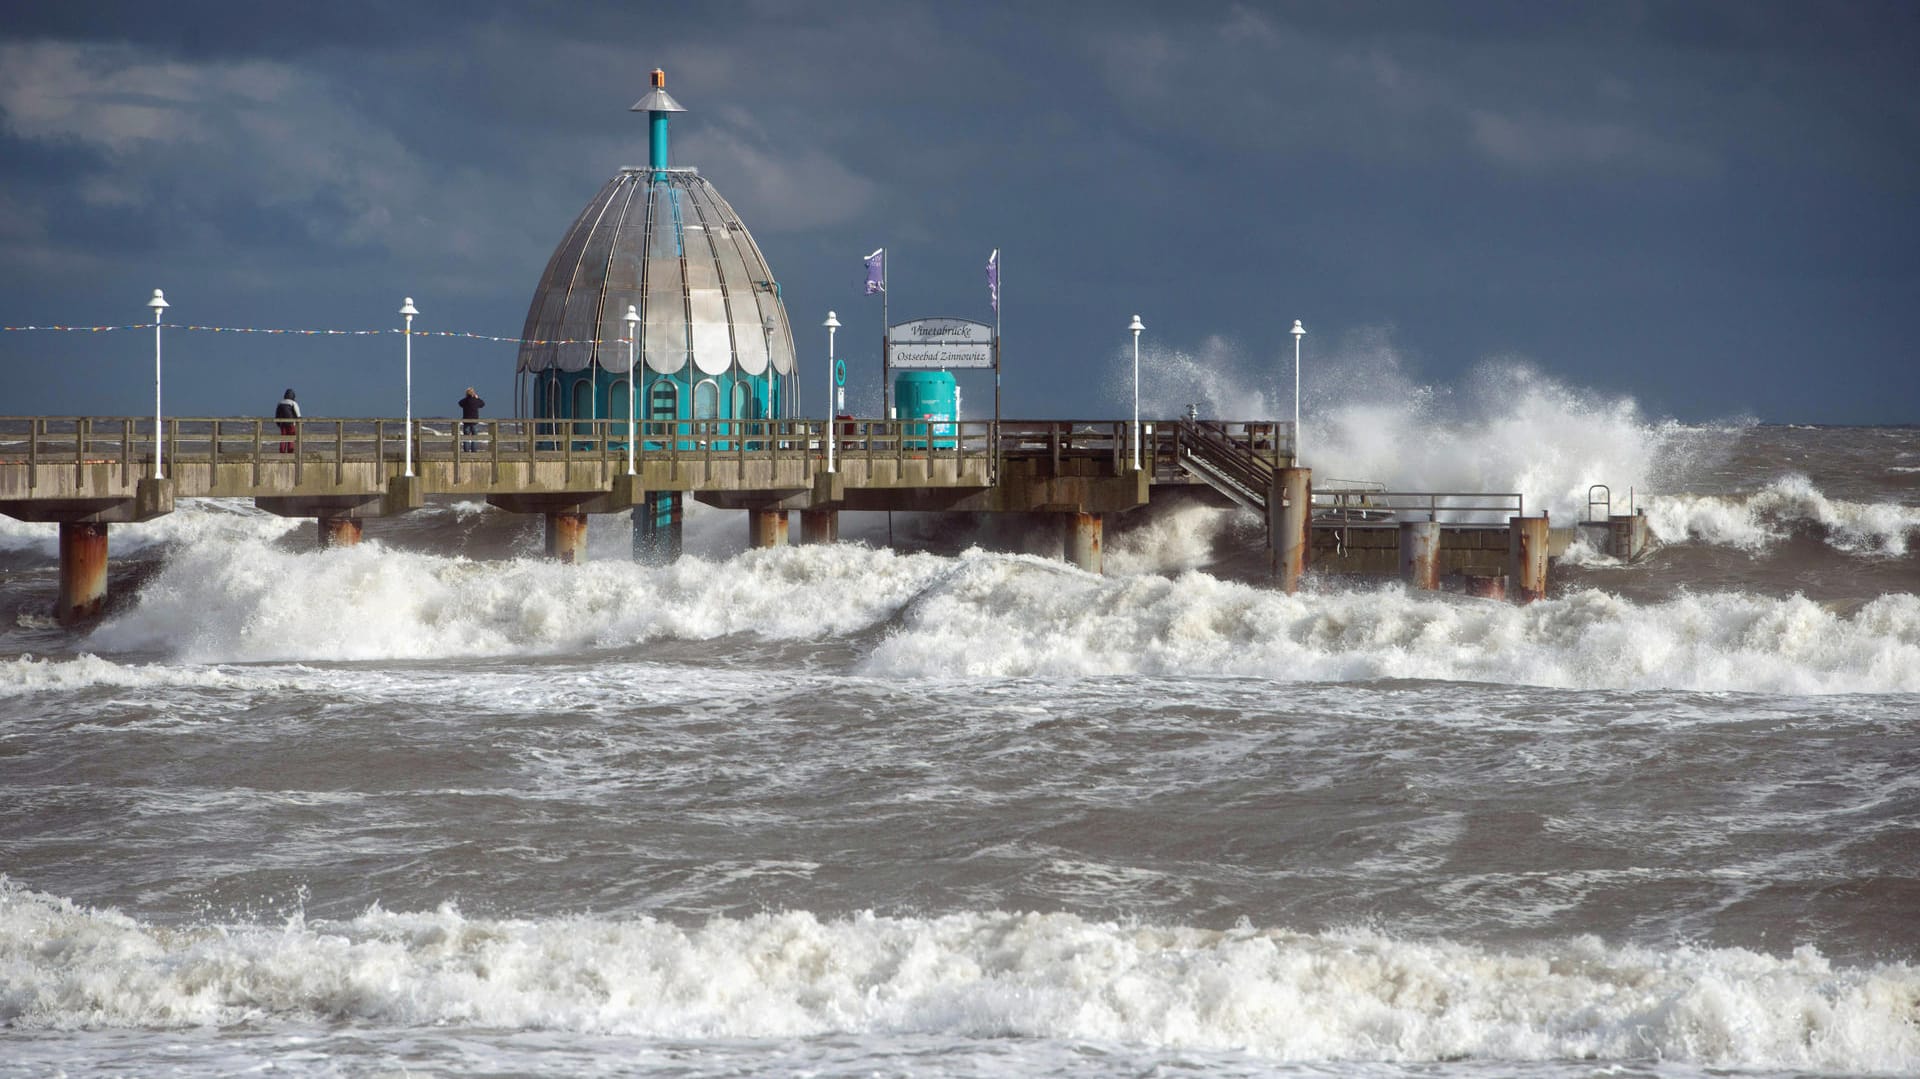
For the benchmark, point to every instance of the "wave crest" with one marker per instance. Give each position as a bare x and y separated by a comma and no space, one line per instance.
1340,996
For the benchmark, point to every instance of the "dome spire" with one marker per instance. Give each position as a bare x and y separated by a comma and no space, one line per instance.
657,104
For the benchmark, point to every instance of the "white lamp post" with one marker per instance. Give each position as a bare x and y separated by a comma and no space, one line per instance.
633,322
1136,328
1298,332
832,324
159,304
409,311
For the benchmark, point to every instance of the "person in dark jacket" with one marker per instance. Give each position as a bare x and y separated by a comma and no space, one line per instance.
470,407
287,409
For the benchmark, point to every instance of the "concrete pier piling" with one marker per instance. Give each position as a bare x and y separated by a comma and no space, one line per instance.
819,526
1420,554
1082,536
340,531
767,528
1527,558
567,536
1289,509
83,572
659,527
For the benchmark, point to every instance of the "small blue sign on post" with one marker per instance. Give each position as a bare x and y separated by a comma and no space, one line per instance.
839,372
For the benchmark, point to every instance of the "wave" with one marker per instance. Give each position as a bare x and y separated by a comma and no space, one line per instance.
1757,521
998,616
1338,996
199,520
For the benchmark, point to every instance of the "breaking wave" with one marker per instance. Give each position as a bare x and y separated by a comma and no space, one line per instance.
1339,996
994,615
1759,520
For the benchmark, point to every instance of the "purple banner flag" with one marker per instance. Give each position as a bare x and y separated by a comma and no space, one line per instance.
993,279
877,271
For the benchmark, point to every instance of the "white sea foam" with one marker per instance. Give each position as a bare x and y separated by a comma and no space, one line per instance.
1005,618
1756,521
996,616
373,602
1183,538
23,675
199,520
1340,996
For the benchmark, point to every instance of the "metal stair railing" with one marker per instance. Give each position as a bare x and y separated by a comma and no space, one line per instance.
1224,464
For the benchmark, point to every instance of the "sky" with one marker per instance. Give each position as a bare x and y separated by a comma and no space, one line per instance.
1706,208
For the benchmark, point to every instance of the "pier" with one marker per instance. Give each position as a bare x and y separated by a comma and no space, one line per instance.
88,473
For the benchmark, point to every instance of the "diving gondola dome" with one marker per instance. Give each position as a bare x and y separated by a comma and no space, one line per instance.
663,241
668,244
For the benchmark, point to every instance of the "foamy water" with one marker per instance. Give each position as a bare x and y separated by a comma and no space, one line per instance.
997,615
1287,996
435,805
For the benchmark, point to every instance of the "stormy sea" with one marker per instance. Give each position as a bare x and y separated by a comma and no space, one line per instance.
433,805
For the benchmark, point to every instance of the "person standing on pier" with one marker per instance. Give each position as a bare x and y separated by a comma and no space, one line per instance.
287,409
470,407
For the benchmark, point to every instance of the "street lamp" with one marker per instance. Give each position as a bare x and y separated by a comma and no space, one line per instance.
1136,328
832,324
409,311
1298,332
159,304
633,322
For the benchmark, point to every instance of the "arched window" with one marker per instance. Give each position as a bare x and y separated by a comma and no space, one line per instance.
617,407
663,399
583,404
706,400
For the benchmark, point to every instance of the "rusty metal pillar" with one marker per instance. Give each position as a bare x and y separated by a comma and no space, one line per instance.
1289,506
1626,535
1083,537
340,531
1527,558
819,526
658,527
1420,554
767,528
567,536
83,572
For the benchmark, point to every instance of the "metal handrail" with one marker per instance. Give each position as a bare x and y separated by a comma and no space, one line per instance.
1395,504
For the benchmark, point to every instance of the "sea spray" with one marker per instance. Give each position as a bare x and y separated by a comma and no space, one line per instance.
1367,417
1335,996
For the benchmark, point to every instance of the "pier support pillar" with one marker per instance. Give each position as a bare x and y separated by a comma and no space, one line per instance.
1083,536
1527,558
1289,509
767,528
658,527
819,526
1420,554
567,536
83,572
340,531
1626,536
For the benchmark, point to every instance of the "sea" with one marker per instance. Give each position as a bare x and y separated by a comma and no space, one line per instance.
932,802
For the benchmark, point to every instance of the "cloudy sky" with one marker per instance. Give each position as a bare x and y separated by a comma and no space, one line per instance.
1709,208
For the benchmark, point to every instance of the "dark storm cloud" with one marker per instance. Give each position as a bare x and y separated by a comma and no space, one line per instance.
1637,197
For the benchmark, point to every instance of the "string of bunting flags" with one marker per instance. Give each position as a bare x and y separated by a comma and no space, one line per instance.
321,333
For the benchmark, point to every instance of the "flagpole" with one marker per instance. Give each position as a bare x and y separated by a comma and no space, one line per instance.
998,266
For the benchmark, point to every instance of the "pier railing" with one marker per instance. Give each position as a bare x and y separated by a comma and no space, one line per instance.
130,442
1361,504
